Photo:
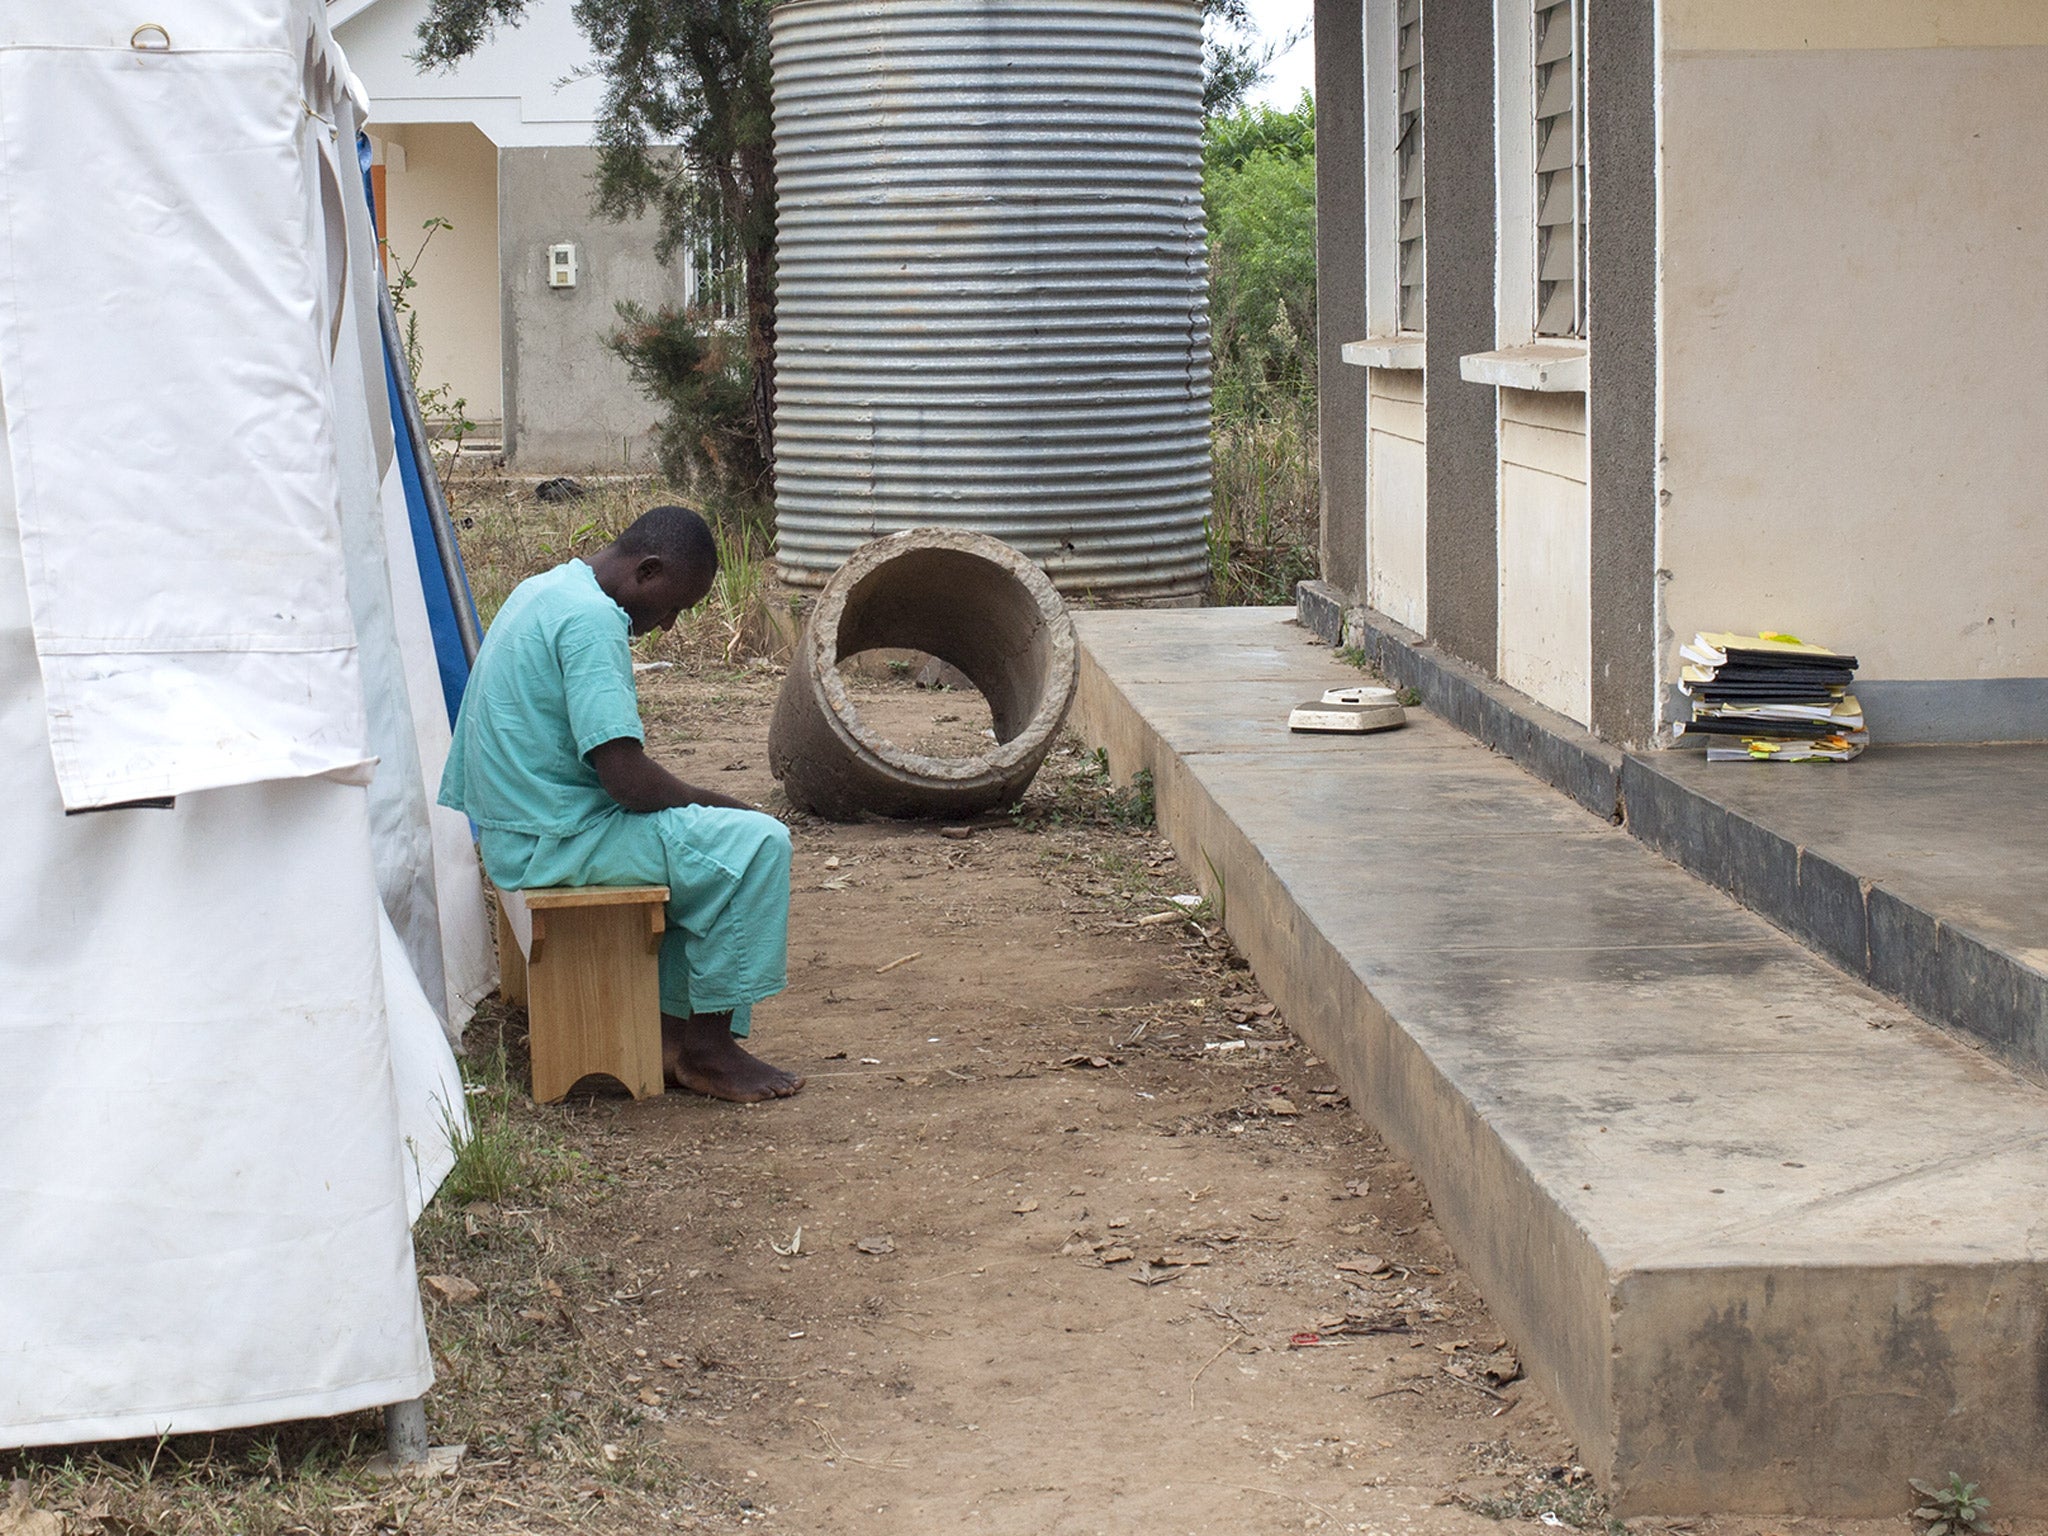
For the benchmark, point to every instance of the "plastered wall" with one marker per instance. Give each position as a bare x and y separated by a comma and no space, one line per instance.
1546,630
1340,291
1853,318
448,171
1397,497
570,404
529,83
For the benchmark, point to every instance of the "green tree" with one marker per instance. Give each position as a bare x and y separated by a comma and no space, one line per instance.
685,132
1259,186
1234,58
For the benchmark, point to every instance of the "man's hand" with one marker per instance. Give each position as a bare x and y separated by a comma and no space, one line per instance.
639,783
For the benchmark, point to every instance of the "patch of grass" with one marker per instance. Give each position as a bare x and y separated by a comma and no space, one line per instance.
507,535
738,615
1263,529
1134,805
267,1482
510,1152
1075,789
1582,1508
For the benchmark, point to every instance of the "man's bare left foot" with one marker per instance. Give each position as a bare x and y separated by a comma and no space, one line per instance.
699,1053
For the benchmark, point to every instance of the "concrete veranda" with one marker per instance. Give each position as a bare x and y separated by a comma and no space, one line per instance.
1767,1239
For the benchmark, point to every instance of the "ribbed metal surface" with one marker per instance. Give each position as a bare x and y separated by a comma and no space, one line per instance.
992,294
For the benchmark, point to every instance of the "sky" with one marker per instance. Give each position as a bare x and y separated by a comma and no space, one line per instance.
1293,71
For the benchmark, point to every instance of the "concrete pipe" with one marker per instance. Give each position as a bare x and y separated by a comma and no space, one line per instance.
964,598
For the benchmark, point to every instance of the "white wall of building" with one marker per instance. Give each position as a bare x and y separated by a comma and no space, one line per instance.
529,85
1546,620
1853,321
1397,497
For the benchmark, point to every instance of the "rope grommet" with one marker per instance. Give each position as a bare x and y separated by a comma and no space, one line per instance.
139,39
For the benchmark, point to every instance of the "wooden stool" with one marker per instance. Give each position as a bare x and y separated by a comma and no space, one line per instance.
590,982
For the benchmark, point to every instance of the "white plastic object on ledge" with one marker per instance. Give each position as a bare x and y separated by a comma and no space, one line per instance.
1352,711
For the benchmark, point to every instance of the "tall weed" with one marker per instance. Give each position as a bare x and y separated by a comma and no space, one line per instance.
1259,185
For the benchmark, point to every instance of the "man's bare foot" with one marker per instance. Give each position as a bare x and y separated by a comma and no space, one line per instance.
699,1053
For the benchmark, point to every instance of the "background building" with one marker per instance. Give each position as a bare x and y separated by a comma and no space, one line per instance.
501,148
1639,319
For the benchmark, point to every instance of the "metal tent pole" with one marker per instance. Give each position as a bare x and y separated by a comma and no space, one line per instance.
405,1432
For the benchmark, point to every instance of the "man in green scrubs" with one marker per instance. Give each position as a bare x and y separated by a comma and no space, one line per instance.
548,760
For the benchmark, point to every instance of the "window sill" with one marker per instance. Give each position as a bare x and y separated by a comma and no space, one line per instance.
1402,352
1556,367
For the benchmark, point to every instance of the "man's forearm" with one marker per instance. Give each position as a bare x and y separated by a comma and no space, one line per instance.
641,784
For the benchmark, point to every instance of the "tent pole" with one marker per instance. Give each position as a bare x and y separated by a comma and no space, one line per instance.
430,477
405,1432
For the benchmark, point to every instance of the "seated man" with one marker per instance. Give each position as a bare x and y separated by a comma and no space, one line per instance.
548,761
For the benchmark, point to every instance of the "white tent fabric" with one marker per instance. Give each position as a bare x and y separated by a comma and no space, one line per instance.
170,663
468,958
230,1091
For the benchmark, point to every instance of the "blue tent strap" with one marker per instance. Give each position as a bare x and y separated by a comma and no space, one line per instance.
451,611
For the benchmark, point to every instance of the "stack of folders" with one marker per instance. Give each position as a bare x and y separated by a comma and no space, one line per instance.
1771,698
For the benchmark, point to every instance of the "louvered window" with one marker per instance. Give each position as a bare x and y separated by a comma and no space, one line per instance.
1408,155
1560,169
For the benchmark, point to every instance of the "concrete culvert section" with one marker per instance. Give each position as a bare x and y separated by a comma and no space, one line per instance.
965,599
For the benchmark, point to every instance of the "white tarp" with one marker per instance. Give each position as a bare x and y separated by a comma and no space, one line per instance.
229,1092
167,207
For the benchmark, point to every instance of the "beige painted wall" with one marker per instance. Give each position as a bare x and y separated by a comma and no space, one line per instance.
1546,617
1397,498
1853,24
1854,317
449,171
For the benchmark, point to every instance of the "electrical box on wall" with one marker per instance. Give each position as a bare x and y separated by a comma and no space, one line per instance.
562,266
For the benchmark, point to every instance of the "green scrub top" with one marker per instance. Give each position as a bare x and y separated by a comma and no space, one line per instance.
554,679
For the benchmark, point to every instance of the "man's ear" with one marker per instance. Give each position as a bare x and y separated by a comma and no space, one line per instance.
647,568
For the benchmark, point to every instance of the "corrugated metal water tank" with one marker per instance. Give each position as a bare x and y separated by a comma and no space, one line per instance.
992,293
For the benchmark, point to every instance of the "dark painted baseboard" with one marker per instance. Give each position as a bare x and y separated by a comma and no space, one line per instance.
1941,971
1558,751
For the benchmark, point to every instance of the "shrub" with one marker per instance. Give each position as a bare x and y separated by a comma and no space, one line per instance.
695,367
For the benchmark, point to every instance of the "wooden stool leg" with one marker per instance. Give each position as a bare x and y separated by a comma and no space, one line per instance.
511,963
594,1000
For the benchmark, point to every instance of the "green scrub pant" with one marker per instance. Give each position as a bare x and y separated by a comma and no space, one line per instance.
727,874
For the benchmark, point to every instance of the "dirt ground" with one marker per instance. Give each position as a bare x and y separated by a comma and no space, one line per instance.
1052,1240
1065,1235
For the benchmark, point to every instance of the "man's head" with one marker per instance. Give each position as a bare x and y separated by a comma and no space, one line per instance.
664,563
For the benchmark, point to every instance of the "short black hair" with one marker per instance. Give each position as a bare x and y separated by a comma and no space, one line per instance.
670,533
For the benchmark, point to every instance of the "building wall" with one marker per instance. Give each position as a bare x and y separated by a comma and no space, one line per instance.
447,171
569,402
1397,495
1459,223
1546,629
1340,290
528,85
1853,313
505,137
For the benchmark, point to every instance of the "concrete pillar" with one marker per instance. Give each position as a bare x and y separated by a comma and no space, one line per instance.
1621,407
1340,287
1458,233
